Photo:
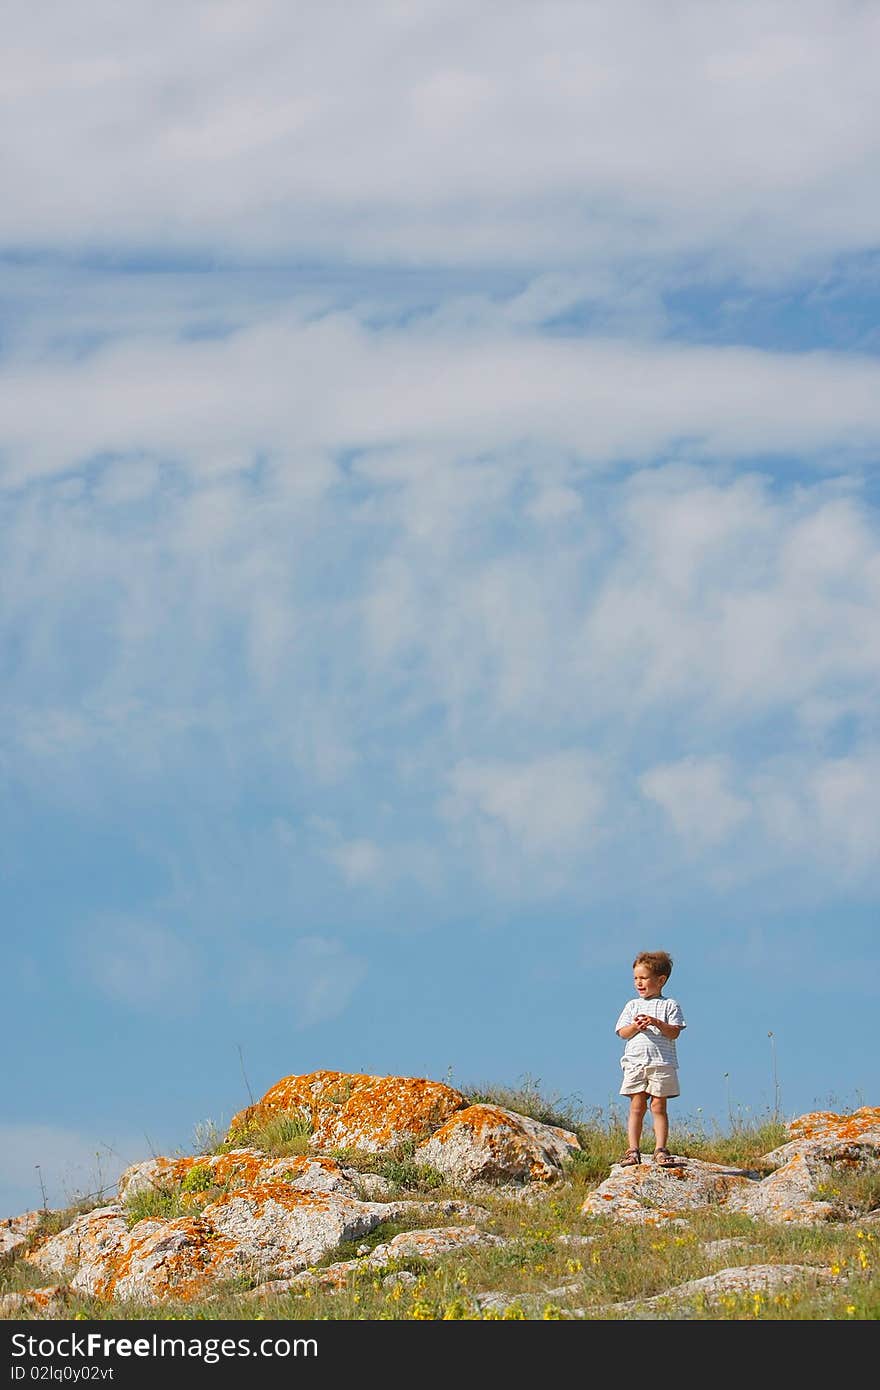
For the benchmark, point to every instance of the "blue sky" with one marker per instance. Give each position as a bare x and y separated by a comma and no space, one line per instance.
438,452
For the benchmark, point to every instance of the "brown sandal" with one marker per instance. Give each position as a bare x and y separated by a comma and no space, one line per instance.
631,1159
663,1158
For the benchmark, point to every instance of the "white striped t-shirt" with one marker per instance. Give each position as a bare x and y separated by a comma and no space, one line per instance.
651,1046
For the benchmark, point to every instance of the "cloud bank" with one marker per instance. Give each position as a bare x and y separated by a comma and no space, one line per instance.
440,132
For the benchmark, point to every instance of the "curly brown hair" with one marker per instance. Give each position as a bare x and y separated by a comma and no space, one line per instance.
658,962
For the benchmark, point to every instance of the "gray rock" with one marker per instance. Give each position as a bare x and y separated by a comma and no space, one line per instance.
654,1195
762,1279
488,1143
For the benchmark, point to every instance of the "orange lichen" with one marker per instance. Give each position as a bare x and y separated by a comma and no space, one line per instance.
24,1224
351,1109
184,1272
486,1120
282,1194
45,1297
480,1118
505,1146
825,1124
240,1169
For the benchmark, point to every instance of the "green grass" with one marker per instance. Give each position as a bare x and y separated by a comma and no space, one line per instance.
549,1245
281,1135
155,1204
397,1166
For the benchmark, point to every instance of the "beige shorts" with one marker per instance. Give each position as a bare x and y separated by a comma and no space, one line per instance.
657,1078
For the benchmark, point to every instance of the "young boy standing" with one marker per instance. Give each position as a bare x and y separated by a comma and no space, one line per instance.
650,1024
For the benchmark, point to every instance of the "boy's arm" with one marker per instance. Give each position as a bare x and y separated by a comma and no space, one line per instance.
669,1030
629,1031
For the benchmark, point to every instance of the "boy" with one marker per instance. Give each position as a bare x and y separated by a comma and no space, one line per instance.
650,1023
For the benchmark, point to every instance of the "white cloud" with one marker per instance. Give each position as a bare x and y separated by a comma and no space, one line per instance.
723,599
821,813
555,503
826,811
358,861
546,807
127,482
469,558
293,390
412,600
695,794
444,131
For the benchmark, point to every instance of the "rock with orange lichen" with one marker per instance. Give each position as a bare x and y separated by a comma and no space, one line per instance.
823,1144
264,1230
484,1143
350,1110
160,1260
271,1229
158,1174
85,1248
283,1229
631,1210
264,1220
27,1222
47,1302
14,1230
825,1124
823,1137
649,1193
10,1240
430,1244
201,1176
786,1197
795,1194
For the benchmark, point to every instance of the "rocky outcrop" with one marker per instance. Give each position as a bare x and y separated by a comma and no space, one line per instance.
787,1196
464,1143
245,1214
275,1223
484,1143
648,1194
14,1231
9,1240
354,1111
266,1229
858,1126
47,1302
195,1178
823,1144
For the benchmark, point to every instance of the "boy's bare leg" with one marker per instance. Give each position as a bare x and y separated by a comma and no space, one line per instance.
638,1105
661,1121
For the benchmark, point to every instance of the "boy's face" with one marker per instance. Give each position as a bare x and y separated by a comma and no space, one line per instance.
648,986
